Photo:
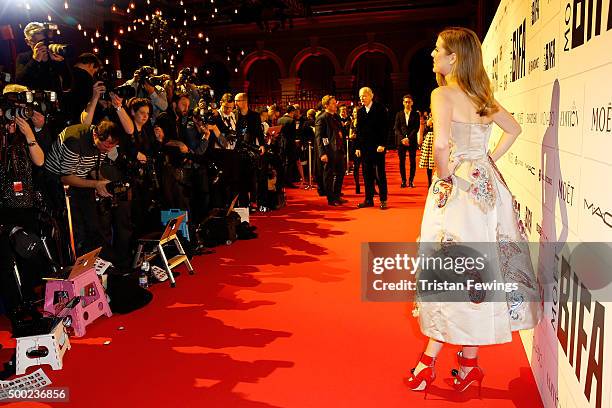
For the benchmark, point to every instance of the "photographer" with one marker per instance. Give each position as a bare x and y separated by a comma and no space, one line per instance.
144,160
226,122
74,160
144,84
98,109
249,138
186,140
41,68
84,71
185,85
20,154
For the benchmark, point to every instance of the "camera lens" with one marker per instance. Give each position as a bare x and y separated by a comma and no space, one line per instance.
63,50
125,91
23,112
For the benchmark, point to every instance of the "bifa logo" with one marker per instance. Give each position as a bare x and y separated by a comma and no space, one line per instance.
518,53
583,20
549,55
535,11
581,338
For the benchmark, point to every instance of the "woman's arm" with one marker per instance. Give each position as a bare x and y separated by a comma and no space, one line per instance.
442,112
36,154
511,130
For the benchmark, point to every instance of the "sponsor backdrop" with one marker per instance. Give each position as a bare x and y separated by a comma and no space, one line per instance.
551,66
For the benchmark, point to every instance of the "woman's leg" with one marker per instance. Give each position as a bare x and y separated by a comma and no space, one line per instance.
467,352
432,350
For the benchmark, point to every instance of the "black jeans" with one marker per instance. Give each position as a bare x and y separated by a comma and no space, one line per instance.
374,169
401,152
333,173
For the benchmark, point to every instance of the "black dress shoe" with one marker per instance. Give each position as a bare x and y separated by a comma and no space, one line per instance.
411,185
365,204
334,203
403,184
342,201
383,205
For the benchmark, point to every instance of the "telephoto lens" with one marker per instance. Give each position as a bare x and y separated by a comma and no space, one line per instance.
125,91
63,50
23,112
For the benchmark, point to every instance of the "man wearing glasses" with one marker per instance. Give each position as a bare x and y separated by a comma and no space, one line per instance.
74,160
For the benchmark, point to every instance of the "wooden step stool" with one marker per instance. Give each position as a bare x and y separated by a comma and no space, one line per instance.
156,243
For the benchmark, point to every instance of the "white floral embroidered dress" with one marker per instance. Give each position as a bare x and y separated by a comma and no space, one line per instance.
477,207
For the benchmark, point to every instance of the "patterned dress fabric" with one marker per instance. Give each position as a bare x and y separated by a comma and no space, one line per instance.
474,207
427,160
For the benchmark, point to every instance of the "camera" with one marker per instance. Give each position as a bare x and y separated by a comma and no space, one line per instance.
207,94
5,78
187,76
205,115
147,75
64,50
118,189
23,104
123,91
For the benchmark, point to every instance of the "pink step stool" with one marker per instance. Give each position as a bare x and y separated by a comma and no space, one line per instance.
84,282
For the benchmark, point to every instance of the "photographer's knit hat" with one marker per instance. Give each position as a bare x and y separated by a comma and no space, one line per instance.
33,28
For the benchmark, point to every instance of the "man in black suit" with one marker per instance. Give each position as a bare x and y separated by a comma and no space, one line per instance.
330,148
407,123
371,134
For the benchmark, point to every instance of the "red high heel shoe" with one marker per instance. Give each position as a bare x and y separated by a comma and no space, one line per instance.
475,375
426,376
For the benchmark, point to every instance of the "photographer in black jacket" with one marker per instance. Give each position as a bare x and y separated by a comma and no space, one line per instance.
250,138
40,68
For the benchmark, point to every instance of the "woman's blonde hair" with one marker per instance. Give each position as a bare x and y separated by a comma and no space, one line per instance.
469,69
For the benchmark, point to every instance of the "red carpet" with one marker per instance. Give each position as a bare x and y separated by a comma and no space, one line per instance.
278,322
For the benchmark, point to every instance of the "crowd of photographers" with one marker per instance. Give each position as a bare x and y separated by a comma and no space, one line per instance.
89,162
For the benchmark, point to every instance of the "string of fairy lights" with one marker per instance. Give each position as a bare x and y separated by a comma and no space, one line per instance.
159,30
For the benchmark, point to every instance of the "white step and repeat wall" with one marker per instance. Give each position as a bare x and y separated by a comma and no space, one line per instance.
551,66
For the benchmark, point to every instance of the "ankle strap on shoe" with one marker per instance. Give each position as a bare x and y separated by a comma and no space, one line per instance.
467,362
427,360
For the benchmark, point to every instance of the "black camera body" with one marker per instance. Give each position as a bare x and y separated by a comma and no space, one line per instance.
123,91
23,104
187,77
205,115
146,75
64,50
119,191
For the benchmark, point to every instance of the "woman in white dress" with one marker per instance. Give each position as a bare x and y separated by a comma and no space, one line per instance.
469,202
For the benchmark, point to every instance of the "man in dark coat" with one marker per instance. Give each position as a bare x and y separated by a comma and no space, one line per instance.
330,148
406,128
371,134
